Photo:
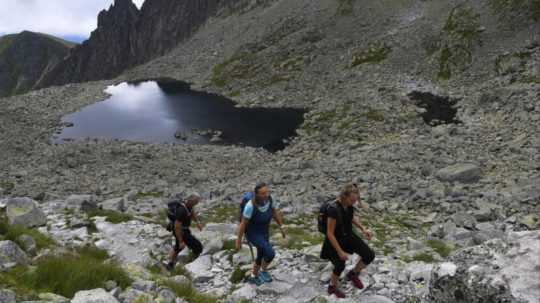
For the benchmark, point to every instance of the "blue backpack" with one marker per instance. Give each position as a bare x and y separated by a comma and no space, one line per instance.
245,199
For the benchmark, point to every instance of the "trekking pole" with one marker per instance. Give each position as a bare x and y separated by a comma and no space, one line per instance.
251,251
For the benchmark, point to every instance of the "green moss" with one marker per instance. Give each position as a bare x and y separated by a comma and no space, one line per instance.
238,66
440,247
237,275
424,257
229,244
7,186
516,8
375,53
66,274
188,292
445,71
110,215
152,194
234,93
12,232
345,7
375,115
461,32
222,214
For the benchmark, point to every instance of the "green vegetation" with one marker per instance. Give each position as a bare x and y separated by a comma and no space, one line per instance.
7,186
12,232
222,214
238,66
151,194
440,247
345,7
237,275
375,115
66,274
110,215
424,257
188,292
375,53
461,32
517,8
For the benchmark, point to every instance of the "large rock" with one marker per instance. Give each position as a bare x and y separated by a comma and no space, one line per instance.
464,173
200,269
500,270
11,255
94,296
26,212
82,202
7,296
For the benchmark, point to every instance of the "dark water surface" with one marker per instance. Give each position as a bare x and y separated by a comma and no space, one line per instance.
154,112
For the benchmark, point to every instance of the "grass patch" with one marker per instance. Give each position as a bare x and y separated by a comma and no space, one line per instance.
461,32
375,115
229,244
345,8
375,53
516,8
440,247
12,232
110,215
424,257
7,186
188,292
66,274
237,66
150,194
237,275
222,214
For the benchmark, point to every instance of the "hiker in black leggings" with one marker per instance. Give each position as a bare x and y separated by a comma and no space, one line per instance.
182,216
340,241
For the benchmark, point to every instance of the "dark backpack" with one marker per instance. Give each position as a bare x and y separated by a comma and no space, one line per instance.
245,199
322,217
172,209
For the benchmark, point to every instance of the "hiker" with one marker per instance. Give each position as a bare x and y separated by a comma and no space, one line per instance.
256,215
340,241
180,214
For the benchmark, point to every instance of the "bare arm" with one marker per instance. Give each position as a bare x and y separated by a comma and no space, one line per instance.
241,229
357,224
279,220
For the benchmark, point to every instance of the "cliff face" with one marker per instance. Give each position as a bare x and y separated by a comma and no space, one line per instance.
25,57
126,36
107,52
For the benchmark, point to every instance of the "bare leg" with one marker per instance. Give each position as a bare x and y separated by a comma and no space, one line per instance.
334,280
265,265
256,269
359,266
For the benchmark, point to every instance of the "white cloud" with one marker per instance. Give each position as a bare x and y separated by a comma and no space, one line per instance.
55,17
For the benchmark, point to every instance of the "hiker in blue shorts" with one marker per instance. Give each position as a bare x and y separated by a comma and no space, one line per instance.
257,214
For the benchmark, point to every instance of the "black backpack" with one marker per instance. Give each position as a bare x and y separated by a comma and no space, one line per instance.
245,199
172,209
322,217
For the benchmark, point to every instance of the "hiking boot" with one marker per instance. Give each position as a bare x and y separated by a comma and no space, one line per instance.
255,280
333,290
353,277
265,276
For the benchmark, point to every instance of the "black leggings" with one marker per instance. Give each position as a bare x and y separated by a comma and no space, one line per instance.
352,244
193,243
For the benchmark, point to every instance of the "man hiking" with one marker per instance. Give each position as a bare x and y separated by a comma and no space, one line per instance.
255,223
180,213
340,241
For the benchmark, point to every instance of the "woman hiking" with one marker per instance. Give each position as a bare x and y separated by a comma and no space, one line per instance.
255,223
340,241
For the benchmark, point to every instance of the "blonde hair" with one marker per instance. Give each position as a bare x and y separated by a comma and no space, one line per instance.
348,189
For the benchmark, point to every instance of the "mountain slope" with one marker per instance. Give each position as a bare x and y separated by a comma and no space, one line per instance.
26,57
126,37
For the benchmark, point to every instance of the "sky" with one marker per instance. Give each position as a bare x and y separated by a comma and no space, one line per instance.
72,20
